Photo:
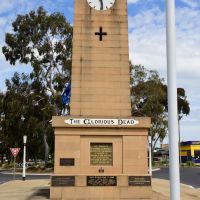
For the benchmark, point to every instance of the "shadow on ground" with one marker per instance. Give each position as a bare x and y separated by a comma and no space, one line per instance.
41,193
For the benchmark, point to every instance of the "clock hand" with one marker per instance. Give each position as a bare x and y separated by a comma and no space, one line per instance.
101,4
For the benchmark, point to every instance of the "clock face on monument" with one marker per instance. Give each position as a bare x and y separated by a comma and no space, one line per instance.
101,4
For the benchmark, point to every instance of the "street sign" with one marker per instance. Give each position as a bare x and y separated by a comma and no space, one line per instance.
14,151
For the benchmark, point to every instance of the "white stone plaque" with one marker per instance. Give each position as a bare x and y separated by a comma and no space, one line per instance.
101,122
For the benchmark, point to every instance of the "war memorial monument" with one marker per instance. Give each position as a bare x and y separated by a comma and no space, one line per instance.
100,149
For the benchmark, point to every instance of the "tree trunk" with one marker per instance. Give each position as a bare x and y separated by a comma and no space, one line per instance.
153,145
46,146
2,154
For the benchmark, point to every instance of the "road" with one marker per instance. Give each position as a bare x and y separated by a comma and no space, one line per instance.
189,176
6,176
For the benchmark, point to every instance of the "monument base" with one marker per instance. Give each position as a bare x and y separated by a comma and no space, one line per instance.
128,187
100,162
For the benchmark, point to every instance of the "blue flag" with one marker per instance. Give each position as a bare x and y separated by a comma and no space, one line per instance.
66,94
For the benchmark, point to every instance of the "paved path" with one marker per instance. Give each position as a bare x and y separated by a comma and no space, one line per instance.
6,176
39,190
161,187
25,190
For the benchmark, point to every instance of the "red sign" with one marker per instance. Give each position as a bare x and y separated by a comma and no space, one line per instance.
14,151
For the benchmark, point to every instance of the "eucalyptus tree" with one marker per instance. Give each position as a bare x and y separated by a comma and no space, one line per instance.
27,109
149,98
45,42
2,137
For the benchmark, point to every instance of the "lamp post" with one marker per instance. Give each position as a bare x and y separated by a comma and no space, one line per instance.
24,159
150,157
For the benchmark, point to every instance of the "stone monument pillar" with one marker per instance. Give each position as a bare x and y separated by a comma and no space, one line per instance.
100,150
100,67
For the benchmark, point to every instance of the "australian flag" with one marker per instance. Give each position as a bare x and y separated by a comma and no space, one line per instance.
66,94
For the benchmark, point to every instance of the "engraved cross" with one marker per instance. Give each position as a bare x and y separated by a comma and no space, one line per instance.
100,33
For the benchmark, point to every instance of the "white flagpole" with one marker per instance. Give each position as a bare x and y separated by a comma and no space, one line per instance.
172,102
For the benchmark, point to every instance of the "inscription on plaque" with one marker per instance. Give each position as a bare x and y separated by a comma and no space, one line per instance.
67,162
139,181
101,154
62,181
101,181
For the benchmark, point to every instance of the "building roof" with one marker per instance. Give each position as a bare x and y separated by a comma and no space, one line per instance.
190,143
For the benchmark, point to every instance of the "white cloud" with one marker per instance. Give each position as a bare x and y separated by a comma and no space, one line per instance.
9,9
148,39
189,131
3,21
192,3
188,40
6,5
133,1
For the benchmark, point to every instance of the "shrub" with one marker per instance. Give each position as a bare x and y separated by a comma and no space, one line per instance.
50,165
190,164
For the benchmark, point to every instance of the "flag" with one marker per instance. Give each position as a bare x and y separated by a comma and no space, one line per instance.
66,94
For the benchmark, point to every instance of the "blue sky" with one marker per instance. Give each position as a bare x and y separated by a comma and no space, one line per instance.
146,42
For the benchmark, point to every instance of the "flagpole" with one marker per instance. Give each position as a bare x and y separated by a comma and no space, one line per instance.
172,102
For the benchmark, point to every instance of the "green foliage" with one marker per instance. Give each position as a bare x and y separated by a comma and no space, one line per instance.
147,92
149,99
148,96
8,166
183,104
44,41
50,165
190,164
28,110
36,168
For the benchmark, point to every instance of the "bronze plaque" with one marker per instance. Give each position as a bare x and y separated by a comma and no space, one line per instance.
101,181
67,162
62,181
139,181
101,154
